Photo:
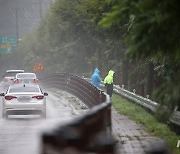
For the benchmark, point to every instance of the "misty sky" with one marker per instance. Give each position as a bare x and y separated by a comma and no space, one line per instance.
21,15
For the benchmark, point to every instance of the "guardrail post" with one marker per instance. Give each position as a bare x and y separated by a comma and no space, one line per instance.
67,80
134,91
109,116
103,145
48,143
100,96
147,96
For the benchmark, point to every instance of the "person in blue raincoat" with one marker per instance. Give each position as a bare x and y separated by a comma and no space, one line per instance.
96,79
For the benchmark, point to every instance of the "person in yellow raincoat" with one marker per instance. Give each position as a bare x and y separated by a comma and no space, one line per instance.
108,81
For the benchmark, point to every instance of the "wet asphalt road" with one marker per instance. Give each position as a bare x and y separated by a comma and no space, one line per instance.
22,134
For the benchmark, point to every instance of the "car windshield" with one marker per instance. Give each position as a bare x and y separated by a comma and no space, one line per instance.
26,76
11,73
24,89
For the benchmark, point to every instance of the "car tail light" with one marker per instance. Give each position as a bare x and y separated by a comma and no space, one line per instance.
9,97
16,81
38,97
35,80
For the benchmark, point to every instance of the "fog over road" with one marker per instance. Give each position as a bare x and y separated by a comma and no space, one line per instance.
19,17
22,134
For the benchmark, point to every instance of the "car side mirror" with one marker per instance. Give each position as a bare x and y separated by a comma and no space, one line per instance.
2,94
45,94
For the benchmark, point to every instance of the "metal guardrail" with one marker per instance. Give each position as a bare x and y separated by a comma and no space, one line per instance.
144,102
77,86
88,133
91,132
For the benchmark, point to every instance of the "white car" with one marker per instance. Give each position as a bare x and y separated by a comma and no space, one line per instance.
25,78
23,99
9,77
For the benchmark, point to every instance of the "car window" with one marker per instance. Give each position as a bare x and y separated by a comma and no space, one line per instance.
26,76
11,73
23,89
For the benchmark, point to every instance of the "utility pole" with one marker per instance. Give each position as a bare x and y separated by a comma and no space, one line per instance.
17,26
40,9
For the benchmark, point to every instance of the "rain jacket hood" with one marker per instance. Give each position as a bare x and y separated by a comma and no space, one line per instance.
96,71
109,78
111,73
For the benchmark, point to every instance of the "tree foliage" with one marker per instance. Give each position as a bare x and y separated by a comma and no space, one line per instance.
77,36
152,32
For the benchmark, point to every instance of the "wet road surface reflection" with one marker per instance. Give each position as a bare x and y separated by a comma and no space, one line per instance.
22,133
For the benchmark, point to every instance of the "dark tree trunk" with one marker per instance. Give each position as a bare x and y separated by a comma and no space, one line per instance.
150,79
140,83
125,72
102,60
158,81
117,78
142,93
99,59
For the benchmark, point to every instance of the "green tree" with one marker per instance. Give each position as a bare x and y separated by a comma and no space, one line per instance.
152,32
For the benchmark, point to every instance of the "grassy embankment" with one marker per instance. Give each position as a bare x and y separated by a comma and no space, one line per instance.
150,123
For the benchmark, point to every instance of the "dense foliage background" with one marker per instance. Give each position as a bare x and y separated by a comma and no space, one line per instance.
138,39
